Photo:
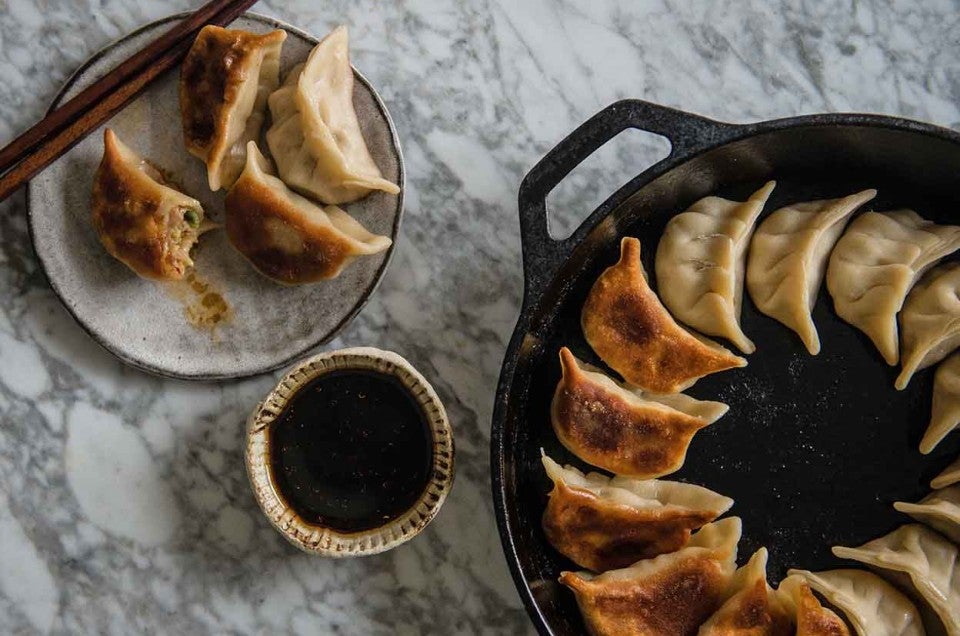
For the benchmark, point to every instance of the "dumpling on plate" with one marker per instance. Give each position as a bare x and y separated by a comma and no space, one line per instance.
871,605
949,476
945,411
752,608
225,81
940,510
603,523
315,137
700,264
623,430
809,616
287,237
628,327
141,221
917,558
668,595
930,321
874,265
788,259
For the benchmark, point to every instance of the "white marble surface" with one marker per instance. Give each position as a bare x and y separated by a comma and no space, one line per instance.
123,502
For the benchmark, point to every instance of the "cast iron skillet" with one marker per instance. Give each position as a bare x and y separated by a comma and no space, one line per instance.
815,448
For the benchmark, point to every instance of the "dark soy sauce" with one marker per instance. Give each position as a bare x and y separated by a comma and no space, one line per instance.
351,451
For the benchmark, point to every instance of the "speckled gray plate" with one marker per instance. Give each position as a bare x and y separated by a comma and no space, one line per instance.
144,323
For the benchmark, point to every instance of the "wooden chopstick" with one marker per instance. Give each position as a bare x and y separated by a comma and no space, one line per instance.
63,128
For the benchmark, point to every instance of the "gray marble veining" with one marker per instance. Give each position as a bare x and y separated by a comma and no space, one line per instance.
123,501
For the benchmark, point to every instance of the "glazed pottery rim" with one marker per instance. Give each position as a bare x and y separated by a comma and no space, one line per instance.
320,540
146,365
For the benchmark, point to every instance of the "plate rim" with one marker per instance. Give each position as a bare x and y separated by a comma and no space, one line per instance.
259,369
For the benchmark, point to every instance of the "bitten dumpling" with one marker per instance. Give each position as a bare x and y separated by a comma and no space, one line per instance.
628,327
916,556
602,523
751,608
141,221
700,264
225,81
788,259
874,265
809,616
945,411
873,606
624,431
930,321
940,510
670,595
315,137
949,476
288,237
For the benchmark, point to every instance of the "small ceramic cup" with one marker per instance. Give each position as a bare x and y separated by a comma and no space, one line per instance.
326,541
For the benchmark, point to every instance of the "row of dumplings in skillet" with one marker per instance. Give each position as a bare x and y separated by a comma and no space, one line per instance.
658,578
290,227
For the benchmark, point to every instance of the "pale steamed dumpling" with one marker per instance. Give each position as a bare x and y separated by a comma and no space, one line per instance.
949,476
700,264
788,258
940,510
930,321
945,411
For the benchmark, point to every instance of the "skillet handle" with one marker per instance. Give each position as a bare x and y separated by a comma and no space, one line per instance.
542,254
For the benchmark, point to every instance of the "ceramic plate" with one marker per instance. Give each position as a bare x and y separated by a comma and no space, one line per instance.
144,323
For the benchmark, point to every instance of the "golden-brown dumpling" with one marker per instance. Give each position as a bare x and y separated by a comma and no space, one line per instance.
788,259
945,410
225,81
622,430
315,136
874,265
288,237
751,608
602,523
141,221
930,321
940,510
670,595
809,616
701,260
628,327
949,476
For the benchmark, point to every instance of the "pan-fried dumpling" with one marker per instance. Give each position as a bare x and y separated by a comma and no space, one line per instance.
670,595
141,221
315,137
788,257
700,264
810,618
873,606
628,327
286,236
751,608
622,430
225,81
915,556
930,321
602,523
949,476
940,510
874,265
945,412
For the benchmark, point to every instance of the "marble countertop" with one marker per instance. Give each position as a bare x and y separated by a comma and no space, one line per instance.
124,506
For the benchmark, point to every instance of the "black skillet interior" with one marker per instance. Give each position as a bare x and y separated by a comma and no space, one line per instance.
814,449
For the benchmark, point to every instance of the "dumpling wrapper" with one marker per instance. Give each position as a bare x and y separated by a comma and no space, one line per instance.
315,138
945,410
142,222
628,327
875,264
752,608
225,81
701,260
940,510
788,260
930,321
915,557
949,476
809,616
672,594
287,237
871,605
603,523
622,430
